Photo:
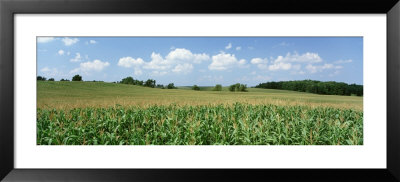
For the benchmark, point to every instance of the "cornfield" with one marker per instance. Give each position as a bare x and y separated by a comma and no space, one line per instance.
236,124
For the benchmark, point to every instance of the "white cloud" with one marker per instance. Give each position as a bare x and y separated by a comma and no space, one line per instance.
183,68
338,67
158,73
285,62
261,63
242,62
68,41
96,65
183,55
92,41
45,69
228,46
51,72
224,61
307,57
238,48
137,71
68,53
158,63
77,58
45,39
313,69
128,62
327,66
343,61
279,66
61,52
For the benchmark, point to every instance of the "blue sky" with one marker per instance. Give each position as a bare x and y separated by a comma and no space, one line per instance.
204,61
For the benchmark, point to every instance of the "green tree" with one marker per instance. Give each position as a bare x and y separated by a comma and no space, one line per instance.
40,78
171,86
195,87
160,86
51,79
150,83
232,88
218,87
243,88
77,78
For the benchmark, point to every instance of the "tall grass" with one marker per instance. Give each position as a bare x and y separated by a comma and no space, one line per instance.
236,124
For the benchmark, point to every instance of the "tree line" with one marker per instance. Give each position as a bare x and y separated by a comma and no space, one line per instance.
74,78
317,87
233,88
148,83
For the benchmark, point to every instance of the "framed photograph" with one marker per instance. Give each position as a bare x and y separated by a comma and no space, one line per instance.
131,90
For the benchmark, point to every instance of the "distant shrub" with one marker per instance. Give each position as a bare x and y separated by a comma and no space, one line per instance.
150,83
77,78
243,88
160,86
238,87
232,88
218,87
51,79
40,78
195,87
64,80
171,86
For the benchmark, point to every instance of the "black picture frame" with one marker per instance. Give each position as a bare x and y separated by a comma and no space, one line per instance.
9,8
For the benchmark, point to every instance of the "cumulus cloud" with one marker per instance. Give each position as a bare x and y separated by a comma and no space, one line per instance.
224,61
183,68
128,62
343,61
286,62
183,55
92,42
319,68
77,58
228,46
261,63
238,48
45,69
69,41
45,39
307,57
61,52
279,66
179,60
158,63
96,65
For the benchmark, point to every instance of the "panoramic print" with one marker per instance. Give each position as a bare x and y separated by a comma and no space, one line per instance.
199,91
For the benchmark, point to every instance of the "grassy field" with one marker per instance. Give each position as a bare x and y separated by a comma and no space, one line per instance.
68,95
96,113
